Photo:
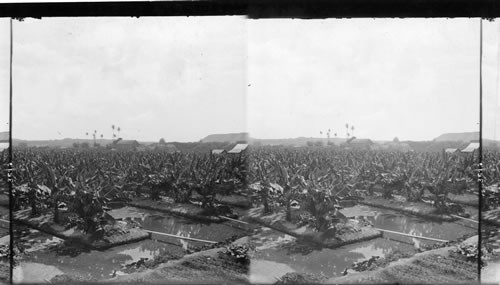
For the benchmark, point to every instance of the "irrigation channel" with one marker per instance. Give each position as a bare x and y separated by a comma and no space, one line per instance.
277,254
47,258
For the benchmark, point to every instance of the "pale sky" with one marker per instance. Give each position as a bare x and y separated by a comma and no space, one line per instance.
4,74
178,78
491,80
410,78
182,78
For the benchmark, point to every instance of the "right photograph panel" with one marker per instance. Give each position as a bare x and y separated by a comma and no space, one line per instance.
491,153
364,150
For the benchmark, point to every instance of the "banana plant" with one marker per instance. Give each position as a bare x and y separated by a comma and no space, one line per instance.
205,174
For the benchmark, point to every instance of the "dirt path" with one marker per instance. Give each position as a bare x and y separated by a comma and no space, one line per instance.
432,267
207,266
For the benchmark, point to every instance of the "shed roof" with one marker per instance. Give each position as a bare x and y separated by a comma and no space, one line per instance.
471,147
451,150
239,148
218,151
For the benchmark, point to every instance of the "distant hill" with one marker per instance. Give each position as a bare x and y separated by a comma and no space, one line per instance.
235,137
300,141
58,143
227,141
458,137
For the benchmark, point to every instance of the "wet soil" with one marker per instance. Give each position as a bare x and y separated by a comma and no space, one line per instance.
431,267
210,266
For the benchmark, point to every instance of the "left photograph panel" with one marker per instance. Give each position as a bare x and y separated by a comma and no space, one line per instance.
4,150
124,132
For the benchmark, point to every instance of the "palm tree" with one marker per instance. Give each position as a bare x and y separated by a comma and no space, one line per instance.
118,131
113,127
347,129
352,130
87,134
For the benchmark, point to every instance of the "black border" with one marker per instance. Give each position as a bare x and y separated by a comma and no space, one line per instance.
257,9
306,9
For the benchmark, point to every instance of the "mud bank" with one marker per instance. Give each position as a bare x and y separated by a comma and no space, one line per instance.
440,265
116,233
353,233
465,199
211,266
184,210
398,204
229,200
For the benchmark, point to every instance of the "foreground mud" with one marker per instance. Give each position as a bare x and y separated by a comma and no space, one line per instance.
442,265
209,266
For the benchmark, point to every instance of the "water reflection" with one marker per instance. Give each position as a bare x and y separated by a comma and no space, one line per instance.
267,272
161,222
394,221
34,272
277,248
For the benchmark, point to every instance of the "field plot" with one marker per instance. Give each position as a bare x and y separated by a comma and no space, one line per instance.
329,213
269,215
74,218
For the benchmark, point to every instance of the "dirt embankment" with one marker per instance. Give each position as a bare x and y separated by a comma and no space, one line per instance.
184,210
115,233
211,266
442,265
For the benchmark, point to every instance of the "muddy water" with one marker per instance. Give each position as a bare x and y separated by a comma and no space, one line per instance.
277,254
394,221
47,256
52,256
164,223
